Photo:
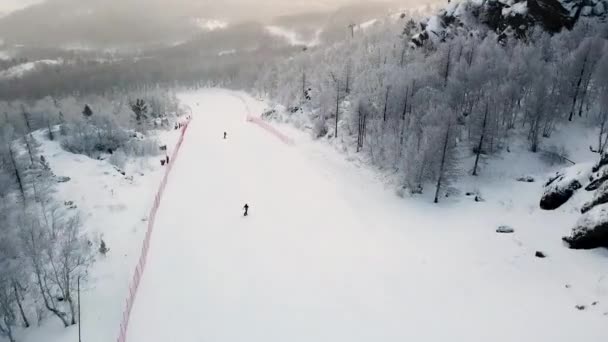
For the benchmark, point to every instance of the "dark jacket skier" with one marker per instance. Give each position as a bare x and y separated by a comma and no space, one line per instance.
224,135
246,207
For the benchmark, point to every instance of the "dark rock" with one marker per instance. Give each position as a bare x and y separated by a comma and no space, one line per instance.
591,230
70,204
120,171
526,179
269,113
580,307
595,303
63,179
559,189
540,254
505,229
550,14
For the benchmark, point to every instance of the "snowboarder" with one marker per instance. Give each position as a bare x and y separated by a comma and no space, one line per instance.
224,135
246,207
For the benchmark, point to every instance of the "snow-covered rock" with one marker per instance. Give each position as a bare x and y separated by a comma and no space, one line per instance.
505,229
597,179
600,197
526,179
560,187
591,230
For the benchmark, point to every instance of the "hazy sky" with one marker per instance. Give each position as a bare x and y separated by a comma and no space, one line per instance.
13,5
7,6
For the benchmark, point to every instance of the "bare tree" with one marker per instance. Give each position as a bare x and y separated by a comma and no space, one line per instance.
444,156
481,137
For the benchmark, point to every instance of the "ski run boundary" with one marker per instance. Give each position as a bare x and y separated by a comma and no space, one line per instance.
141,265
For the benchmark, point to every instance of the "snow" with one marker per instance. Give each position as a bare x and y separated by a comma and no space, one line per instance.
24,68
434,26
591,219
226,52
518,8
329,254
211,24
292,37
367,24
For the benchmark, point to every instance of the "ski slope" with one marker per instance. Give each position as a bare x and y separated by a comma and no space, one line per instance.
328,255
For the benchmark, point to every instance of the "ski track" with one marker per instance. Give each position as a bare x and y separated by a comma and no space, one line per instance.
327,254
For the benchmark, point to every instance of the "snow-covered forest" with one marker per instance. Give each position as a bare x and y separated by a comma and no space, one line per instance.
44,250
418,110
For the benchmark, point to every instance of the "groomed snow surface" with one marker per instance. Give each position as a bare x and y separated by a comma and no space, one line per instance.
329,254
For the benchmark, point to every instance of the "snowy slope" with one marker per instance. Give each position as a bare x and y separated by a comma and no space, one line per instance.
211,24
24,68
292,37
328,254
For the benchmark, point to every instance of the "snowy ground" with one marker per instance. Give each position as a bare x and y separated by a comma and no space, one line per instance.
329,254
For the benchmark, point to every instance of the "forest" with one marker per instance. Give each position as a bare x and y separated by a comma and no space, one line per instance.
420,111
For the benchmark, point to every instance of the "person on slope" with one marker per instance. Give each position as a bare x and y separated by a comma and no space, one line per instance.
225,135
246,207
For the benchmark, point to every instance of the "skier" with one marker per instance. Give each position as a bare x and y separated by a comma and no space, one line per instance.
224,135
167,162
246,207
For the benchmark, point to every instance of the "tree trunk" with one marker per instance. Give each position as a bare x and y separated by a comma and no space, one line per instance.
447,67
583,97
7,330
402,137
388,88
347,85
26,322
16,170
28,145
337,106
442,166
578,85
304,85
483,131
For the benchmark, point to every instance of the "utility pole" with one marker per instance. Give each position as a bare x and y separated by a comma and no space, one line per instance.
79,325
352,30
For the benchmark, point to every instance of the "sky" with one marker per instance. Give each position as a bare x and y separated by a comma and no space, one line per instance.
7,6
